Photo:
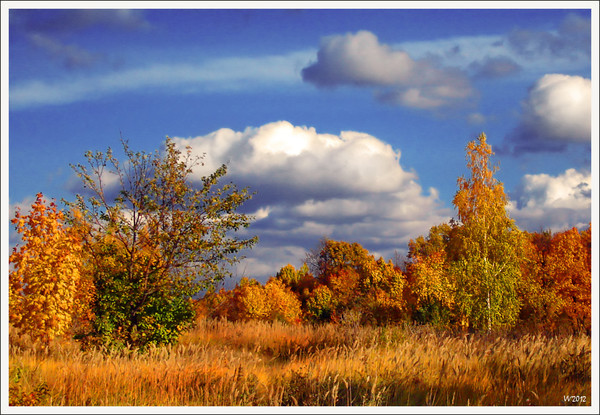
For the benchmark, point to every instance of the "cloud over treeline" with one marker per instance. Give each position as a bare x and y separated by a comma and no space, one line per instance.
558,202
347,186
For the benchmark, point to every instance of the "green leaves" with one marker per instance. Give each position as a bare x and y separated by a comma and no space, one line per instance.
162,238
488,265
471,268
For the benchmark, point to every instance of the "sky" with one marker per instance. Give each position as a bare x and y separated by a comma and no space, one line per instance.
349,124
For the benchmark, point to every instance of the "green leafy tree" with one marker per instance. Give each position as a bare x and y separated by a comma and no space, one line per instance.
155,237
320,304
486,266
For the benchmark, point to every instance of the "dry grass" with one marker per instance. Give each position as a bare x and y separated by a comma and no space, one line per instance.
237,364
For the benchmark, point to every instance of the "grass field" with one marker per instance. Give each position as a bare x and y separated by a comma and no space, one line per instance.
221,363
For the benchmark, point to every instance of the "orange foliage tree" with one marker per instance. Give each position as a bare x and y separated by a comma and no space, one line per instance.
556,284
44,278
570,262
359,283
250,300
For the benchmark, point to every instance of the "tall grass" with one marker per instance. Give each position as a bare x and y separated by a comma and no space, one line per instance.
235,364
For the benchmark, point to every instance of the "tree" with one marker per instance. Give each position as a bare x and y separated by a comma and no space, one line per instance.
570,264
431,285
250,301
45,274
155,237
556,282
301,282
358,282
487,265
284,304
320,304
538,289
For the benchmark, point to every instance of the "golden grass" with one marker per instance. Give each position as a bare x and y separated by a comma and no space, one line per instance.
236,364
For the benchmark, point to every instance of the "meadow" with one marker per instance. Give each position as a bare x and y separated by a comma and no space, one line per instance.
221,363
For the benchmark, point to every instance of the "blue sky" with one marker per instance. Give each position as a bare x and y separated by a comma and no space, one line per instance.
350,124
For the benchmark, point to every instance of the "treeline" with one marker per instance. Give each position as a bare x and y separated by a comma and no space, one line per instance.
123,263
351,287
479,272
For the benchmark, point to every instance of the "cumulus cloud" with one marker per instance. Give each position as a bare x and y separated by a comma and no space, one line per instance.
557,111
556,202
348,186
361,60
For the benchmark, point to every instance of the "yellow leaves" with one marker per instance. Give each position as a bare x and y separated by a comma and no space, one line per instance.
45,272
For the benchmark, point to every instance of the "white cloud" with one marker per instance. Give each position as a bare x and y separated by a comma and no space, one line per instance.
359,59
556,112
558,107
218,74
556,202
347,186
280,154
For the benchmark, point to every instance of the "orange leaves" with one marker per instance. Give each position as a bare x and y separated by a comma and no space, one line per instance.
250,300
358,281
45,272
557,278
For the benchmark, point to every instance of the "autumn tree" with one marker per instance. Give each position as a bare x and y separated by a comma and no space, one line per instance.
432,287
487,263
300,281
321,303
251,300
538,290
570,263
284,303
45,273
556,282
155,237
356,280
